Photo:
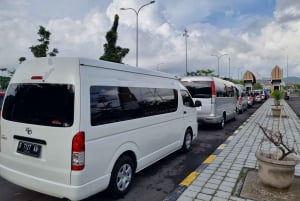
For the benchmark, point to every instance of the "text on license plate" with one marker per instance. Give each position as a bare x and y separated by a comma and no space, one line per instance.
29,148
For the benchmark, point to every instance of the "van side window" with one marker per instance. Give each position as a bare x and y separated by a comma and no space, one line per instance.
186,99
114,103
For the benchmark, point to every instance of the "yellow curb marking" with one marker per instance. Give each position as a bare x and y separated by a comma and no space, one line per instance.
230,138
210,159
222,146
190,178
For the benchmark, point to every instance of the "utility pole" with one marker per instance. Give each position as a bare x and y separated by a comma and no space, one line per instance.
186,35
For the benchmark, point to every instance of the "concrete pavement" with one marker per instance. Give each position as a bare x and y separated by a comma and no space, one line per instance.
216,178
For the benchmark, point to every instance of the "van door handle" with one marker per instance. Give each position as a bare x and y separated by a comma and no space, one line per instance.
184,112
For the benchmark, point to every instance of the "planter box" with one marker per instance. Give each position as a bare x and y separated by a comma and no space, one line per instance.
276,173
276,112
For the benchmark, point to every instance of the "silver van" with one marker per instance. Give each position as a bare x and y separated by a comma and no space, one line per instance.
218,98
242,98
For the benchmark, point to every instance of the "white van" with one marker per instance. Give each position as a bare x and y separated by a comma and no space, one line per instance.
72,127
218,98
242,98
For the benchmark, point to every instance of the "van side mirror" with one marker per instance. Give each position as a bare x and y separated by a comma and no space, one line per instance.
198,103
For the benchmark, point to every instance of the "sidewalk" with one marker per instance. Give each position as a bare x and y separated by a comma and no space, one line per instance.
216,178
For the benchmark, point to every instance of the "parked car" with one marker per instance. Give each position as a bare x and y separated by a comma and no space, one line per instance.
250,98
242,99
264,95
257,96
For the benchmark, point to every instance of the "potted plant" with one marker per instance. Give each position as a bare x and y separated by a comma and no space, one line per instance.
277,95
277,164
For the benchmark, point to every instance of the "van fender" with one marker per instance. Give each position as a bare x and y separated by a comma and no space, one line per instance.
129,148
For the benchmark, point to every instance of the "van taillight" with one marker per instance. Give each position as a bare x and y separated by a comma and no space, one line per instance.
240,100
213,88
36,77
213,92
78,151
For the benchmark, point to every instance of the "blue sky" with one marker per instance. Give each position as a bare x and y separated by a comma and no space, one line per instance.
240,13
256,34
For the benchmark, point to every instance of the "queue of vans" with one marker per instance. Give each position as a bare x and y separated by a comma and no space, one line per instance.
72,127
83,126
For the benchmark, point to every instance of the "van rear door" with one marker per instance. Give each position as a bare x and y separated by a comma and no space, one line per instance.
37,121
202,91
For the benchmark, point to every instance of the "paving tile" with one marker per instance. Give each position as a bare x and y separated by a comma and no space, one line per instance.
218,178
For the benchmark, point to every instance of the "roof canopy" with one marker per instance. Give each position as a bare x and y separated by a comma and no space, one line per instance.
249,76
276,73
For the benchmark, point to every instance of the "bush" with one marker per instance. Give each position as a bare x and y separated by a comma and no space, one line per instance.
277,95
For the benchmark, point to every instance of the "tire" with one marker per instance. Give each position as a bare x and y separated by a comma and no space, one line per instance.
221,125
187,141
241,110
122,176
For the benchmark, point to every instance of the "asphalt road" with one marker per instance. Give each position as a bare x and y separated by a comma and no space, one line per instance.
294,103
157,181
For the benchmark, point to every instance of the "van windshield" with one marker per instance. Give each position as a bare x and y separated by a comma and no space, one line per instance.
40,104
199,89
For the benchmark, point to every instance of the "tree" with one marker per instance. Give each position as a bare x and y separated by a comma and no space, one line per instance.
4,80
207,72
41,50
112,52
257,86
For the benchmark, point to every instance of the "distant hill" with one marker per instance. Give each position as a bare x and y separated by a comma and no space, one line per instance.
293,79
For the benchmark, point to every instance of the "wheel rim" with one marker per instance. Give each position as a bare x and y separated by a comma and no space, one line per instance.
188,140
124,177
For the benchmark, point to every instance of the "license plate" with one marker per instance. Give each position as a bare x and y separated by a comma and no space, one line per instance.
30,149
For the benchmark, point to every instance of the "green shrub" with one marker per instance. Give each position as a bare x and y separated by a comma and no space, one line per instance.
277,95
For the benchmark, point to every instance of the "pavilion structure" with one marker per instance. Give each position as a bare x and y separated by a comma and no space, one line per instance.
249,80
276,78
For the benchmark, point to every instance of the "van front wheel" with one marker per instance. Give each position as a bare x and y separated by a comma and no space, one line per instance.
121,176
187,142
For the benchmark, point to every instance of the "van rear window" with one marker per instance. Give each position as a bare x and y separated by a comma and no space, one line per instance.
199,89
40,104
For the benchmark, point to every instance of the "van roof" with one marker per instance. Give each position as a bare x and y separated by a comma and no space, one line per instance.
100,64
197,78
124,67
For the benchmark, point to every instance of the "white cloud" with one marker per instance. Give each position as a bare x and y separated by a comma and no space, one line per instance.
256,43
79,36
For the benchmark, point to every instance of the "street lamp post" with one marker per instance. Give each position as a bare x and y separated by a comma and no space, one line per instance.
229,66
186,35
238,71
137,27
287,69
218,57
